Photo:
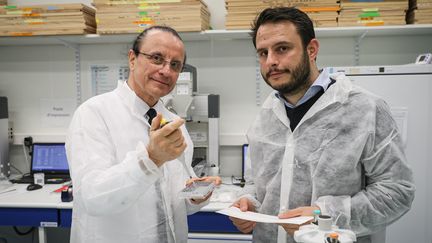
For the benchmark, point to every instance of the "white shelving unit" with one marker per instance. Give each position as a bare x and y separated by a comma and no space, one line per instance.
332,32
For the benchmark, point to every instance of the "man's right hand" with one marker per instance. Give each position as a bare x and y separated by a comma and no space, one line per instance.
245,226
166,143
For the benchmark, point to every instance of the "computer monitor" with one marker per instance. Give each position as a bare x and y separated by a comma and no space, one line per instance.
49,158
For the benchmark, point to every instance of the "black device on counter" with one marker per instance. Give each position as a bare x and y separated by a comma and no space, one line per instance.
67,194
32,187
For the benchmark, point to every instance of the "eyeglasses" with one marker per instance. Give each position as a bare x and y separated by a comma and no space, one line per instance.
159,60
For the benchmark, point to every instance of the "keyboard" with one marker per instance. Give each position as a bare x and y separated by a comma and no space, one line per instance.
48,180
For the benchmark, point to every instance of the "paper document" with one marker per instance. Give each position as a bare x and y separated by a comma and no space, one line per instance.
263,218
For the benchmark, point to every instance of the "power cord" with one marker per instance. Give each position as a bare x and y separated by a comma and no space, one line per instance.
15,168
23,233
25,153
28,143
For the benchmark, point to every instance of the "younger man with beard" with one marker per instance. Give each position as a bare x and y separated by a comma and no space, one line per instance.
319,142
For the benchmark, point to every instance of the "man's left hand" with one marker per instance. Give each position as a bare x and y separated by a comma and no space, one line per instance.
215,179
301,211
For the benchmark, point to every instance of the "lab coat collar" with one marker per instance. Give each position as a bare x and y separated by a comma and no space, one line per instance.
135,103
278,107
336,93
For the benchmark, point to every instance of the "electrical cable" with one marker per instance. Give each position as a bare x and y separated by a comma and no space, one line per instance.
26,174
15,168
23,233
25,155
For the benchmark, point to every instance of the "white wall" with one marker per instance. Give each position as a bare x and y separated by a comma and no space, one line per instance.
225,67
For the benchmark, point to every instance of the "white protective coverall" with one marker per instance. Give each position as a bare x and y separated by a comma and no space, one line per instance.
345,156
120,195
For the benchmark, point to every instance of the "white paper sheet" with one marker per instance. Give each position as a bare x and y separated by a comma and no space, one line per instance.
104,77
56,112
263,218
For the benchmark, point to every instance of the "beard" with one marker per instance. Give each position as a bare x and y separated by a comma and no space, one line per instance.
299,77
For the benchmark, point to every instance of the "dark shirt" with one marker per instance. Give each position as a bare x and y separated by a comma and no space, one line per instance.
295,114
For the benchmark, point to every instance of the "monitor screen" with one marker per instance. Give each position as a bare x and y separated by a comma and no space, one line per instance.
49,158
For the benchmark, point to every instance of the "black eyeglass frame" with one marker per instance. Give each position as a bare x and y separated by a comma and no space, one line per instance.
157,59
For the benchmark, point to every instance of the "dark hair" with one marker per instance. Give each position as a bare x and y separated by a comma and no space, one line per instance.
301,21
138,40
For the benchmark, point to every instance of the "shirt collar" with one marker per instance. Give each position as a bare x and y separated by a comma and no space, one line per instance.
323,79
322,82
137,105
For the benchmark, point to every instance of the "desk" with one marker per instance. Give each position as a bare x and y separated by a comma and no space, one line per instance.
43,208
39,208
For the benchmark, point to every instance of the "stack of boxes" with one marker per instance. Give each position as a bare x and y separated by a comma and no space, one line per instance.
241,13
133,16
130,16
372,13
56,19
331,13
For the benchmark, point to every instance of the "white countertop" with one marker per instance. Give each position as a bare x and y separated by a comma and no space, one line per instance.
41,198
18,197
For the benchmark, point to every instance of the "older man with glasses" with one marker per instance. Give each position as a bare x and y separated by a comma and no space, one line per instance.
127,170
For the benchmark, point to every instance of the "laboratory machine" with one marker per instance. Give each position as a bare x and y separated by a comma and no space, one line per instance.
201,112
4,139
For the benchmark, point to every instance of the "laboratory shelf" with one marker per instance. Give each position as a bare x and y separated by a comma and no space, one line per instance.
398,30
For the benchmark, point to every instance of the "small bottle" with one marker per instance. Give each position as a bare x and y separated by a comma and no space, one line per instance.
316,213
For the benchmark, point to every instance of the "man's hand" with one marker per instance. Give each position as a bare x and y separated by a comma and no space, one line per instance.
215,179
166,143
301,211
245,226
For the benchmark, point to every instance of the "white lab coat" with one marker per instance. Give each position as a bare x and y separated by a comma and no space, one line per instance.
345,139
115,197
